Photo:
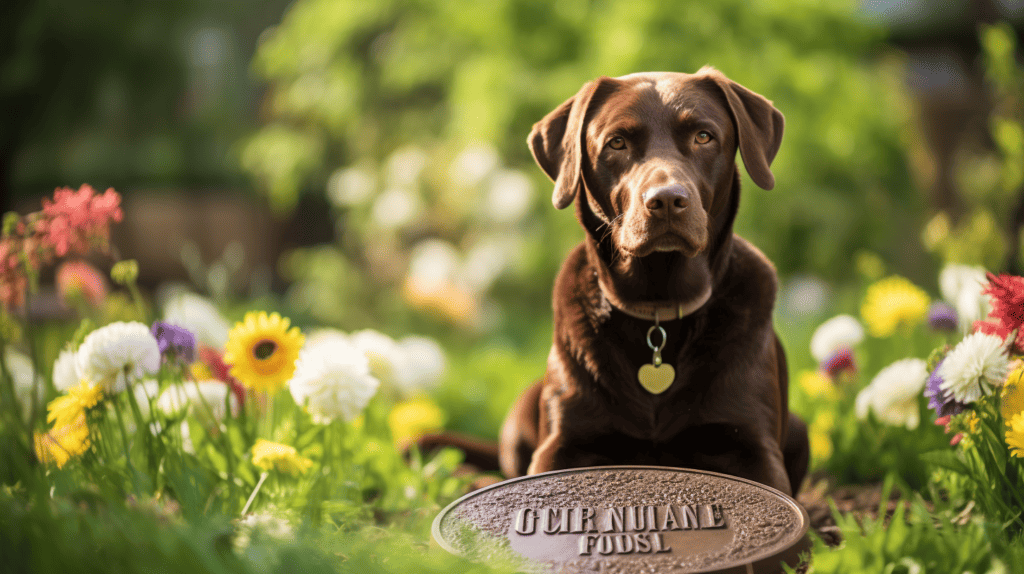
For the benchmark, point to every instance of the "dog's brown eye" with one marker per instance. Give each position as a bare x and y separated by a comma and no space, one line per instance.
617,142
703,137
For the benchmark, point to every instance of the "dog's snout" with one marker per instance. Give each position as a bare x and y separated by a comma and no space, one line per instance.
666,200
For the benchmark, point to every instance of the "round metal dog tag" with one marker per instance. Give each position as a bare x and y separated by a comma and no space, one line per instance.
626,519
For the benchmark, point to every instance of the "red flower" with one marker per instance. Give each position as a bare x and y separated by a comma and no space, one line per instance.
1007,296
220,369
838,363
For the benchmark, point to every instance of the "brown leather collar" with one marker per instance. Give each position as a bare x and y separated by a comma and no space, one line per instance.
654,313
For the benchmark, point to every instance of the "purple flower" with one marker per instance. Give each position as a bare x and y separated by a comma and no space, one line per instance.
174,341
940,401
942,317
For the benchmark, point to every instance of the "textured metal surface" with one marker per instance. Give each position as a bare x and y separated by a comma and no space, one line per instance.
627,519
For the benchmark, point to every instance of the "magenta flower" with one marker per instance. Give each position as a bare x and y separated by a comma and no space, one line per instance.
175,342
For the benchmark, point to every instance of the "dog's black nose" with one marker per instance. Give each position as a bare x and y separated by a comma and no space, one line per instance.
666,200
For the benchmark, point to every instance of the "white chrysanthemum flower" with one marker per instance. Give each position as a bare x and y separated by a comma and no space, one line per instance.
387,361
198,315
65,370
204,400
894,393
424,364
962,286
332,379
974,367
112,355
841,331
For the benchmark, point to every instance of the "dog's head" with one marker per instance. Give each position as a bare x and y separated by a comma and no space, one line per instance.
650,160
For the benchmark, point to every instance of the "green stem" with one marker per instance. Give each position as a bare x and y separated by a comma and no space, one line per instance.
124,433
137,299
222,435
10,396
252,496
143,426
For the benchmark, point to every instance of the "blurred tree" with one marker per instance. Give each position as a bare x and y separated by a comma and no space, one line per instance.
124,94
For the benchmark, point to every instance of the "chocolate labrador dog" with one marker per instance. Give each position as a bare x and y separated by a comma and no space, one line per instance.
664,351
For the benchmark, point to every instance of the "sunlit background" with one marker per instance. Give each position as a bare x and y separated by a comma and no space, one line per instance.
362,164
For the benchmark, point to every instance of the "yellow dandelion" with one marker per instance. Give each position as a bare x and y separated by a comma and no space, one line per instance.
816,384
63,443
892,302
414,418
63,411
262,351
1012,395
281,457
1015,436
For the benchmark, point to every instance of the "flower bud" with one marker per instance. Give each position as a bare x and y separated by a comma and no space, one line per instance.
125,272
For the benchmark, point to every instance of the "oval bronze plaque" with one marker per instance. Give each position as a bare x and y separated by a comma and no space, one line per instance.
625,519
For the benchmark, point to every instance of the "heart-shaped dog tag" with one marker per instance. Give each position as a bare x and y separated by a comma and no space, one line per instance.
656,379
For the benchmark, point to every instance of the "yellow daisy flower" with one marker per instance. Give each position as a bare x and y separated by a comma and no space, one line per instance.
414,418
62,411
1012,395
63,443
1015,436
892,302
262,351
281,457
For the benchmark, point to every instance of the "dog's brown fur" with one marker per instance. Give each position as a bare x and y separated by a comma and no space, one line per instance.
727,410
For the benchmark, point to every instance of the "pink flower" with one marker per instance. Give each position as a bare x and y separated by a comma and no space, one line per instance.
75,219
78,278
221,371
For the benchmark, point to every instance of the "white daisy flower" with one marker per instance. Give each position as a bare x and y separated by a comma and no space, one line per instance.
974,367
116,354
424,364
198,315
841,331
387,361
203,399
65,370
962,285
894,393
332,379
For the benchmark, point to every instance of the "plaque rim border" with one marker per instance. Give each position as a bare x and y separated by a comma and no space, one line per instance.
800,540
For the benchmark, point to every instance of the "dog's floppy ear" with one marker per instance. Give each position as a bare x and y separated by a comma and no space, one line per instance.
558,143
758,125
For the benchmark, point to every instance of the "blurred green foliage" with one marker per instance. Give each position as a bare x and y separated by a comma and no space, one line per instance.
415,96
